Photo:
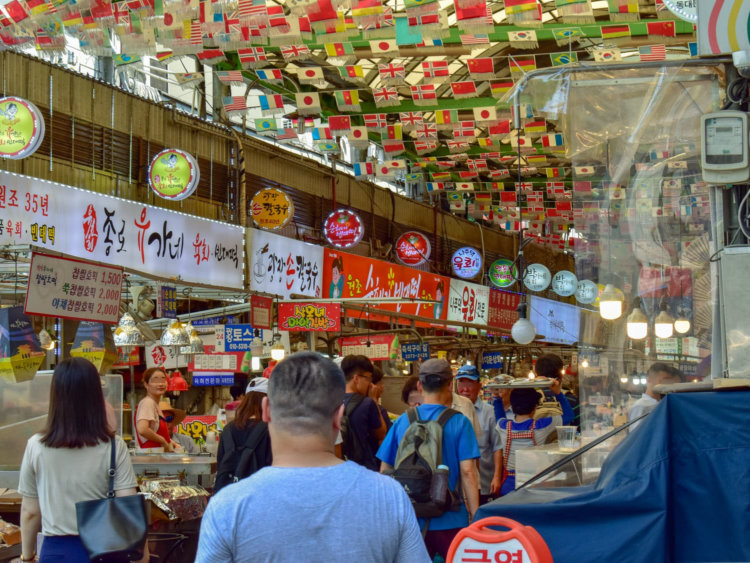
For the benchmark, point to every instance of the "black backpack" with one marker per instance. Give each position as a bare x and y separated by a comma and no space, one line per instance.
238,463
351,447
419,454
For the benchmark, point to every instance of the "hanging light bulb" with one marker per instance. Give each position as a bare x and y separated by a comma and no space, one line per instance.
610,303
45,340
277,351
624,379
196,344
681,325
663,323
127,332
523,331
585,364
637,325
175,335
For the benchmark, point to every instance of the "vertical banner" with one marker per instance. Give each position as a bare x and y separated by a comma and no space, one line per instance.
261,311
468,302
502,311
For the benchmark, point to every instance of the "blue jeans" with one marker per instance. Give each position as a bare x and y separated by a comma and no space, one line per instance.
63,549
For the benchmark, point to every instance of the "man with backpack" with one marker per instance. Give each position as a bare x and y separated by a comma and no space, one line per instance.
421,445
362,427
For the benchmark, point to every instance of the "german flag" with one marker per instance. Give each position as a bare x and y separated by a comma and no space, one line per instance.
614,31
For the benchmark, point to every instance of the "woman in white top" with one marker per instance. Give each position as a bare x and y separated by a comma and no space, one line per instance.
69,463
152,429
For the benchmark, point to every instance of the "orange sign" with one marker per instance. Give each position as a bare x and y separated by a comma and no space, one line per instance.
271,208
479,542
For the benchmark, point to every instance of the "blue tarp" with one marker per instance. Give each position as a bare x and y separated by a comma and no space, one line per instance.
676,489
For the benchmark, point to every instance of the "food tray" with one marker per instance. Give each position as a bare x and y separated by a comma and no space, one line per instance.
536,383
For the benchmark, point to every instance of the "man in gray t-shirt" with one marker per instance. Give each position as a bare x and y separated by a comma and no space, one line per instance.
309,505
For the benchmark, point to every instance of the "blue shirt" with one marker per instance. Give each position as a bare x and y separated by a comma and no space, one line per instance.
313,514
459,444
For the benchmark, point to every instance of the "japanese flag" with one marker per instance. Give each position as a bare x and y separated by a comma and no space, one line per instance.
384,48
465,186
357,136
308,103
388,168
485,114
311,75
583,170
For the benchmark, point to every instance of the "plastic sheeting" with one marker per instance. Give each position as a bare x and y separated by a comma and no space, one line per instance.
676,489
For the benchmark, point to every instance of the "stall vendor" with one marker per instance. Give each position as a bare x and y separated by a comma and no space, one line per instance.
152,429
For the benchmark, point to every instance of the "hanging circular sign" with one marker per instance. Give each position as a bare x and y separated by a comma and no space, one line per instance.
343,228
587,292
413,248
271,208
466,262
503,273
173,174
537,278
21,127
685,10
564,283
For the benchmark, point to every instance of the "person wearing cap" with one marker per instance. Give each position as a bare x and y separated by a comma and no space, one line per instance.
490,448
248,416
460,449
309,505
173,417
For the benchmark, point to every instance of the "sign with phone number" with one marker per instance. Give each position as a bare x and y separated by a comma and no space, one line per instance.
73,289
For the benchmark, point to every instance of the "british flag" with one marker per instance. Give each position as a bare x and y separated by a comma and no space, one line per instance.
410,119
386,96
427,131
294,51
457,146
375,120
424,94
392,71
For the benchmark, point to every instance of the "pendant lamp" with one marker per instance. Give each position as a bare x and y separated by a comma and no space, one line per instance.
127,332
637,325
523,330
610,303
664,323
196,344
175,335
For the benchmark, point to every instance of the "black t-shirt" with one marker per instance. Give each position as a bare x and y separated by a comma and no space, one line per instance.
364,420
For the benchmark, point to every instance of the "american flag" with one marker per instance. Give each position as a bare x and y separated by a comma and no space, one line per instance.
427,131
475,39
375,120
410,119
294,51
252,55
234,103
246,9
391,71
229,76
652,53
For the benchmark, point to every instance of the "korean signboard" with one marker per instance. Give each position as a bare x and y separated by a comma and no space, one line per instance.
350,275
166,302
502,312
261,311
413,248
492,360
215,361
309,316
558,322
207,378
22,127
168,357
271,208
375,347
283,266
198,426
105,229
173,174
414,351
73,289
503,273
343,228
468,302
235,338
466,262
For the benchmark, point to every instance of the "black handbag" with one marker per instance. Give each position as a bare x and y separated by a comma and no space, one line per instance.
113,529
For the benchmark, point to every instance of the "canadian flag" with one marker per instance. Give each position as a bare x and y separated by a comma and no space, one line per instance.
384,48
388,168
485,114
308,103
311,75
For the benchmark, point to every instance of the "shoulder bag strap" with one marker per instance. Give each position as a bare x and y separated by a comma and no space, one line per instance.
412,414
111,488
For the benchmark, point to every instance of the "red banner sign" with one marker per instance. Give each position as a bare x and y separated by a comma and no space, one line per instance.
503,305
375,347
296,317
349,275
261,311
343,228
413,248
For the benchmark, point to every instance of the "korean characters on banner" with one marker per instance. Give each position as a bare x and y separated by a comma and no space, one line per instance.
168,357
349,275
466,262
105,229
282,266
468,302
309,317
271,208
502,311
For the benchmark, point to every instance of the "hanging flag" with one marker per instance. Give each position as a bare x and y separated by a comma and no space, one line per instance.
474,39
424,95
393,132
466,89
340,51
663,28
615,31
607,55
363,168
252,56
523,12
411,120
456,201
575,11
523,39
500,88
272,76
424,147
561,59
385,97
520,141
308,103
465,186
446,118
623,10
234,104
435,186
581,187
555,172
436,71
437,176
552,140
295,52
265,126
271,104
389,168
477,164
184,78
339,123
486,142
522,65
232,77
392,73
312,75
535,126
322,134
501,129
485,115
211,56
652,53
357,137
384,48
426,131
393,147
327,146
463,129
456,146
347,100
351,71
584,170
481,69
375,120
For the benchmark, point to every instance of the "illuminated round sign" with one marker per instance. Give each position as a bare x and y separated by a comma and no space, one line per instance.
685,10
537,278
503,273
343,228
173,174
271,208
586,292
413,248
21,128
564,283
466,262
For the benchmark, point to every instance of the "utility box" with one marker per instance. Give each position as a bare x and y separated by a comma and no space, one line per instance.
734,273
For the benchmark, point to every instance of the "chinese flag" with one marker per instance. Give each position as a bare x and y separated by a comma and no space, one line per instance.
664,28
339,123
463,89
481,66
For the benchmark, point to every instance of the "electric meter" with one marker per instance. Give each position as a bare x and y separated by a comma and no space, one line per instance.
724,150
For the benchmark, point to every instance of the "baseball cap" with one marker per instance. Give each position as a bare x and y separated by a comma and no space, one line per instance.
436,366
258,384
468,371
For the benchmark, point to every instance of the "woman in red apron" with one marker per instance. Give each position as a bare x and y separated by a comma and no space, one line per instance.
152,430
